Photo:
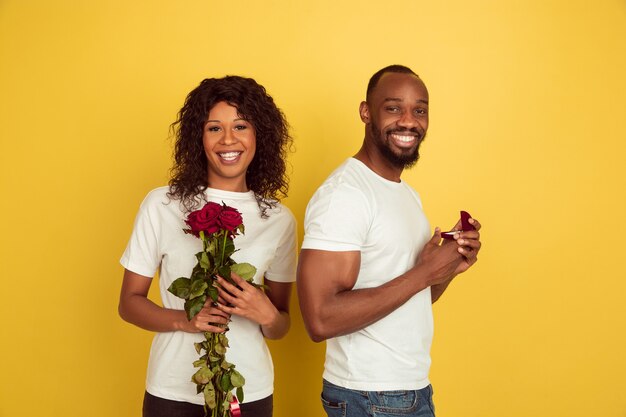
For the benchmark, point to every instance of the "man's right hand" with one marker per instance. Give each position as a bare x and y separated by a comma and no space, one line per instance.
438,262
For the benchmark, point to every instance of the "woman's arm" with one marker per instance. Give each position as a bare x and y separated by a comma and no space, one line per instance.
136,308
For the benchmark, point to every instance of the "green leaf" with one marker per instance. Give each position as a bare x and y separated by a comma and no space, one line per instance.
229,248
225,382
204,261
197,288
202,376
224,272
198,347
240,394
226,365
180,287
237,379
212,293
199,363
193,306
223,340
210,248
219,349
224,249
244,270
197,273
209,395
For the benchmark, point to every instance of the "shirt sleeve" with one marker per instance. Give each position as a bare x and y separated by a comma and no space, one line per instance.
337,218
283,266
142,252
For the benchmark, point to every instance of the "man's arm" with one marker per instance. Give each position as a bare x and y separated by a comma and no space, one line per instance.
329,305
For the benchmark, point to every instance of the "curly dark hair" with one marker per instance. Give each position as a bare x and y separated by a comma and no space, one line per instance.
266,176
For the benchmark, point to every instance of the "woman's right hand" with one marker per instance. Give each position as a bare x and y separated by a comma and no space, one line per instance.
207,320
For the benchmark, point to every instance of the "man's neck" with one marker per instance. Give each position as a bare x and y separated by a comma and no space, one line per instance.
378,163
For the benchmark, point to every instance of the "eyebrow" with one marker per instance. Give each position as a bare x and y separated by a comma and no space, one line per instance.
400,100
234,120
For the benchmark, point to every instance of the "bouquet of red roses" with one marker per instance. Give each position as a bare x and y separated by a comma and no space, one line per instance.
216,225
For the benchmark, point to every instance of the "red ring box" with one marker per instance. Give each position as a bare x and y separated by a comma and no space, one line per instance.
465,226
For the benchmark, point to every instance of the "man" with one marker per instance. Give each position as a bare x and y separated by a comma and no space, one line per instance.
369,270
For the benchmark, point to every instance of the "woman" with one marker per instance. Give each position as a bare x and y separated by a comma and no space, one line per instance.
231,142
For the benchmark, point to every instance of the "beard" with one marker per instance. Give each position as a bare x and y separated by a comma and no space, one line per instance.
403,159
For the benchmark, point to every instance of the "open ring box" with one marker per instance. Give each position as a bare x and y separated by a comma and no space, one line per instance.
465,226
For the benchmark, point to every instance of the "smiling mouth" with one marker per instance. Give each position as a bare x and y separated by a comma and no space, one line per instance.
404,139
229,156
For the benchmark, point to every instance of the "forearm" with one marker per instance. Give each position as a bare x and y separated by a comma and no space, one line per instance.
278,327
142,312
436,291
351,310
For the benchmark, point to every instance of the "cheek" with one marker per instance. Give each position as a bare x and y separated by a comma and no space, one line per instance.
251,145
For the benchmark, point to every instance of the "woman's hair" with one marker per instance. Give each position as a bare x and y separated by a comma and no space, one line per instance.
265,176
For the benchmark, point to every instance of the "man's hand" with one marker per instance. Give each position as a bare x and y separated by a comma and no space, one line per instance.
468,244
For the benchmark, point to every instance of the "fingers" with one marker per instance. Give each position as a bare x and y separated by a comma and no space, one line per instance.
227,287
436,238
238,280
475,223
471,244
211,320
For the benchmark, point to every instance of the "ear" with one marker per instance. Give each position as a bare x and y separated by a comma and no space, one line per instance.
364,112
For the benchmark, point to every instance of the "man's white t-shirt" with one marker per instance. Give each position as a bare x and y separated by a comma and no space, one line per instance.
357,210
158,243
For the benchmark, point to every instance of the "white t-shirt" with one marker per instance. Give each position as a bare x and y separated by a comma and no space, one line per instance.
357,210
158,243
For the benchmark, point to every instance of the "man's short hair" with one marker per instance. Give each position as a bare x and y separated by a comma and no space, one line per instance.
391,68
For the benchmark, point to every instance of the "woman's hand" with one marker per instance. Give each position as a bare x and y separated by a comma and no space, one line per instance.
208,320
247,301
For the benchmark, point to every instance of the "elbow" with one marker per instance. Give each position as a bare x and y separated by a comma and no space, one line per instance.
317,337
317,331
122,311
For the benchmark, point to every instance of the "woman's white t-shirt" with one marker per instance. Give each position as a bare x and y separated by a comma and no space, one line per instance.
158,243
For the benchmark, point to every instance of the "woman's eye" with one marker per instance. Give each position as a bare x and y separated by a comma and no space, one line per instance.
241,127
213,128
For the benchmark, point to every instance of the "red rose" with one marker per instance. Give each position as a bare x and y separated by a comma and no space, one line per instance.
230,219
205,219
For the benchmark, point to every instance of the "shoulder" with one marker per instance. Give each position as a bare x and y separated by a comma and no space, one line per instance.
157,202
155,196
347,186
281,214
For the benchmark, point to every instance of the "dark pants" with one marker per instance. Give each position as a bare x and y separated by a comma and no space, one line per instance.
159,407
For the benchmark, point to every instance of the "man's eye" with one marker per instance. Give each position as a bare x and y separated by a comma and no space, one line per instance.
421,111
392,109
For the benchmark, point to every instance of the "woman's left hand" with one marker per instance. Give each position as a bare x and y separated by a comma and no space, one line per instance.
247,301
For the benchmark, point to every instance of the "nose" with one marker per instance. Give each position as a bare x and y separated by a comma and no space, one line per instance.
229,137
408,120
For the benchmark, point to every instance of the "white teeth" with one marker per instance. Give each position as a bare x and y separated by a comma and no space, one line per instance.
405,139
229,156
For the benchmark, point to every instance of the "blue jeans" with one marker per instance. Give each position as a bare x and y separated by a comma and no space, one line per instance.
343,402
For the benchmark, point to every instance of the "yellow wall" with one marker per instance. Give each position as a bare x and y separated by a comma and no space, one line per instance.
527,133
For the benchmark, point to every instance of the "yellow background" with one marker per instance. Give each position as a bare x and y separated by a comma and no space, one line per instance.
528,133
